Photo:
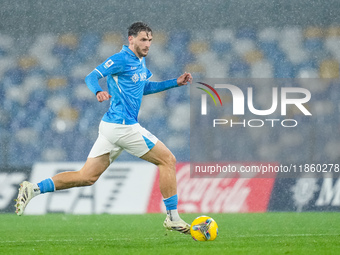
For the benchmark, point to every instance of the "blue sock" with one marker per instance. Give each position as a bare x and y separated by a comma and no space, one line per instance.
171,207
171,202
46,186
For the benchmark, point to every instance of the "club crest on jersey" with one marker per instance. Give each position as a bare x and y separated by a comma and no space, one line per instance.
108,63
135,78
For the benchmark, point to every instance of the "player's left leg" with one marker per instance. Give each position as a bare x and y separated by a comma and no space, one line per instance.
141,143
161,156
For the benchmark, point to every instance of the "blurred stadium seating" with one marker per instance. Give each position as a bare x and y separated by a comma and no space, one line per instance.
48,114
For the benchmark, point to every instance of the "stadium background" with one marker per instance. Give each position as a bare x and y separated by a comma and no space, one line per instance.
48,115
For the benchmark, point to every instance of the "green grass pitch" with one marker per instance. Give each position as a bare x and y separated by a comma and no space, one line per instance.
264,233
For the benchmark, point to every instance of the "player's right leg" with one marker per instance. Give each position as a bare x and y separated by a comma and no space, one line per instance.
102,154
86,176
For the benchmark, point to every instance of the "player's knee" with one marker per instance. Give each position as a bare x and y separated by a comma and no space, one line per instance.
170,160
173,160
90,180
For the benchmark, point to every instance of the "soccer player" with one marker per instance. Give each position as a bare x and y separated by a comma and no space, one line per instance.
127,80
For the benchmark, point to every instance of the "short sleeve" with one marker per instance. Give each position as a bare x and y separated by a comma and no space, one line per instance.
148,74
112,65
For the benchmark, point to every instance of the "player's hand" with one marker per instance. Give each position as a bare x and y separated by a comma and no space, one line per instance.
184,79
103,96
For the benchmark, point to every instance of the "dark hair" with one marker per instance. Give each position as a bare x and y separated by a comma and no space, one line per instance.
137,27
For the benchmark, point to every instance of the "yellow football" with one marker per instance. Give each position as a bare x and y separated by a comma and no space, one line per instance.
204,228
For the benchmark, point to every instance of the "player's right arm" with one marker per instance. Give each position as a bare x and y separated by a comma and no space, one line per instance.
112,65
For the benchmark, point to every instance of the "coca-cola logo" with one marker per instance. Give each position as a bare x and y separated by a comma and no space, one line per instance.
211,194
216,194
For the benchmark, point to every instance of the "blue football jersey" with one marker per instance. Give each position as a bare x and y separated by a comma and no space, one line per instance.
126,78
127,81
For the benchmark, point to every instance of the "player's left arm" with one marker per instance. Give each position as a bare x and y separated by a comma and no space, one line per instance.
154,87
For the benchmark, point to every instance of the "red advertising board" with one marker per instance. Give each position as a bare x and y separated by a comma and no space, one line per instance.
215,195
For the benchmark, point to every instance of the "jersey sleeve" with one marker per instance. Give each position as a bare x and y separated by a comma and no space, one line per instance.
112,65
148,74
152,87
91,81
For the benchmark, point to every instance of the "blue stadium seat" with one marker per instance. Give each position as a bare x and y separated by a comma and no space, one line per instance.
221,47
15,75
87,46
283,69
246,33
313,44
239,68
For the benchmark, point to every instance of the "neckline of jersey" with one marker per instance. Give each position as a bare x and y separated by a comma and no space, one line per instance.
128,50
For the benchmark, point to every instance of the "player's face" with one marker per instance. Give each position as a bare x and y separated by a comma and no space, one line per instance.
141,43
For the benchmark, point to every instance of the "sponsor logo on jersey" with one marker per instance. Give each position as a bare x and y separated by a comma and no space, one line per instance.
135,78
133,67
142,76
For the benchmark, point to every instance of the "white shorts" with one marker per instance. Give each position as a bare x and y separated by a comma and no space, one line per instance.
114,138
